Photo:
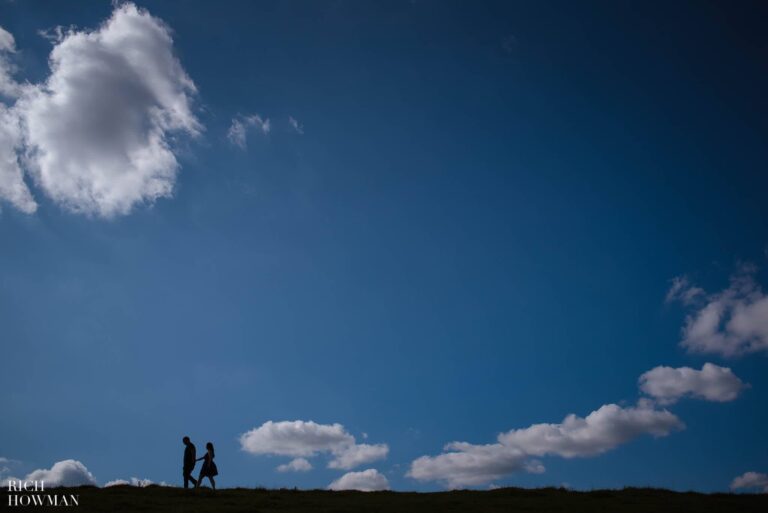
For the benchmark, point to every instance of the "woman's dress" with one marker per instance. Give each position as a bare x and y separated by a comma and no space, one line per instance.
209,467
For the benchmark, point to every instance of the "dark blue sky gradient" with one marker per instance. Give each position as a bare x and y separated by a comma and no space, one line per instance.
475,233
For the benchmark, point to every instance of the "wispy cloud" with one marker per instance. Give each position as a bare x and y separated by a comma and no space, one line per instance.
297,127
238,129
731,322
681,290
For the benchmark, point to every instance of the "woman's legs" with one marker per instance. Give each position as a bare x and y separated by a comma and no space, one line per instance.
200,481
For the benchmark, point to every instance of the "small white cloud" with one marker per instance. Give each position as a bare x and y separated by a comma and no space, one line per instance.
730,323
297,127
751,480
295,465
366,481
354,455
118,482
237,133
294,438
306,439
712,383
134,481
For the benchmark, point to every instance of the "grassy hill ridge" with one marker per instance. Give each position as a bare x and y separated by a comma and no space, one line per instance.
166,499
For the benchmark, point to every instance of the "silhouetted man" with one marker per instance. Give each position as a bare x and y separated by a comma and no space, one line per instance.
189,462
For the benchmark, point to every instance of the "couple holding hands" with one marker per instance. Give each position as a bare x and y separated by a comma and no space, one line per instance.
208,470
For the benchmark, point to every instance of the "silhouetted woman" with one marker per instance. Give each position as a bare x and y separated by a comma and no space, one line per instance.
209,467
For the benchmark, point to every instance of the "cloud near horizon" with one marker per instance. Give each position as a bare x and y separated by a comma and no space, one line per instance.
307,439
96,135
134,481
465,464
370,480
751,480
295,465
63,473
732,322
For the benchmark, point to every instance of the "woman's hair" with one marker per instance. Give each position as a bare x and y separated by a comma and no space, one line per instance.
209,446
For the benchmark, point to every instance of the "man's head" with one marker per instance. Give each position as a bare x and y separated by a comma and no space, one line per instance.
185,440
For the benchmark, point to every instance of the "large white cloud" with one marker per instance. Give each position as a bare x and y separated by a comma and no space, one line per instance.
365,481
713,383
731,322
751,480
62,473
97,134
307,438
465,464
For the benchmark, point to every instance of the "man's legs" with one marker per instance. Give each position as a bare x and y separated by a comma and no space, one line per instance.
188,477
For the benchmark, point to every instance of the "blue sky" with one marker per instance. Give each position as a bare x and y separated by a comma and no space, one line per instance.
460,220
